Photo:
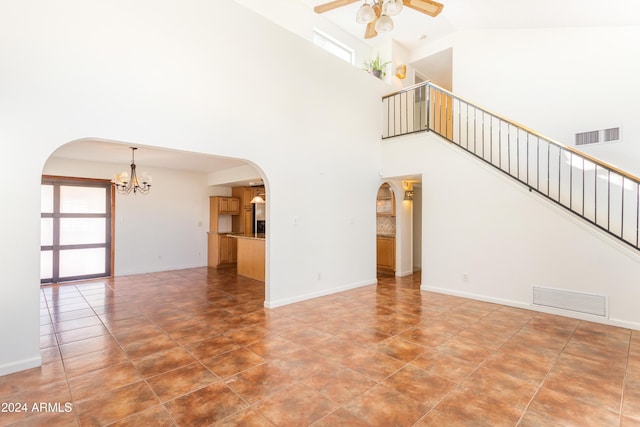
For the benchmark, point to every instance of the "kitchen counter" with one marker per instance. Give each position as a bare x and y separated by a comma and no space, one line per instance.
248,236
251,262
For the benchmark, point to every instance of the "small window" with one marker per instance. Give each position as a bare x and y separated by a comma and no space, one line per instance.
333,46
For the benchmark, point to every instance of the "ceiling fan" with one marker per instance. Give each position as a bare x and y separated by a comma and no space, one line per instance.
377,13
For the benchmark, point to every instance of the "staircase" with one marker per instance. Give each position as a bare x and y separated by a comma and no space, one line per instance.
604,196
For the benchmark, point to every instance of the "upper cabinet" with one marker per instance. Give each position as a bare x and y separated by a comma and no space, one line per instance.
385,202
228,206
221,206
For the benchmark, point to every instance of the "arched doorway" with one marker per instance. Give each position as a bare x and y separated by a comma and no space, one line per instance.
168,228
386,230
399,226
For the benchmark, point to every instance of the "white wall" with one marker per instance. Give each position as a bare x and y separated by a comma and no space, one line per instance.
299,18
417,227
171,74
163,230
507,239
555,81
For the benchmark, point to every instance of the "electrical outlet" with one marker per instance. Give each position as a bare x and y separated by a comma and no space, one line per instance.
465,277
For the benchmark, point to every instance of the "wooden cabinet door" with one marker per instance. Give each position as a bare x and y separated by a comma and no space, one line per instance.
247,195
386,253
228,206
233,249
213,248
223,205
248,220
225,249
234,206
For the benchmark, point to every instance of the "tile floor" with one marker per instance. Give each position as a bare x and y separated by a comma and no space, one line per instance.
196,347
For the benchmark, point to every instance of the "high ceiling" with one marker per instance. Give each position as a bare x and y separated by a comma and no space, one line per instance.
413,28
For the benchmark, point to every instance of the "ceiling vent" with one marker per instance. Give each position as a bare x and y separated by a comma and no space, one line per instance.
598,136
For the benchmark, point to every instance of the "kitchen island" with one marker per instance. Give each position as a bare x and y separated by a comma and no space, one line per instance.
250,256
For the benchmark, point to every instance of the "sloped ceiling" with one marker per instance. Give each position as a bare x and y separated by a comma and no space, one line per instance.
412,29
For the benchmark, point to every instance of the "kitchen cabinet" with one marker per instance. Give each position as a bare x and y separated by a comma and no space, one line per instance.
243,223
226,205
219,206
386,253
251,261
222,250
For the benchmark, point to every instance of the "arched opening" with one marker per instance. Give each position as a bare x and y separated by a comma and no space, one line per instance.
169,228
386,230
399,226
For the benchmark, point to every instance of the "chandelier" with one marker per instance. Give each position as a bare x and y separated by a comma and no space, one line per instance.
379,11
126,183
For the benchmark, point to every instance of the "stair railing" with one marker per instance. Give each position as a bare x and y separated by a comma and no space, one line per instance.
599,193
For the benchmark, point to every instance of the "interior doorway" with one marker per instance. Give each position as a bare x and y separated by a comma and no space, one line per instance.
399,226
386,230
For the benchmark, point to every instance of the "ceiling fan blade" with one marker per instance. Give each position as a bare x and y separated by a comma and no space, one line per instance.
371,32
428,7
325,7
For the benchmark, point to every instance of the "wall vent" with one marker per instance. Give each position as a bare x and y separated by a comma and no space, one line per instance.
569,300
597,136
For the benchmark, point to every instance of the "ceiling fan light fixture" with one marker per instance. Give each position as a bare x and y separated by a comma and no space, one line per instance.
391,7
384,24
365,14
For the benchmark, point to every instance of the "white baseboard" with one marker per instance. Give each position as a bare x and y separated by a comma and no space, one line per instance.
304,297
404,273
20,365
540,309
158,269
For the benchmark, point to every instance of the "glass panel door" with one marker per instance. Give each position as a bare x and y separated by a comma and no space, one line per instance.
75,229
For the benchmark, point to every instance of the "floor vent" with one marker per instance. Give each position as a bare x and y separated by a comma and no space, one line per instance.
568,300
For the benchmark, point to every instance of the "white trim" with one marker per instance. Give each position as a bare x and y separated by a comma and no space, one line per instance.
525,306
20,365
304,297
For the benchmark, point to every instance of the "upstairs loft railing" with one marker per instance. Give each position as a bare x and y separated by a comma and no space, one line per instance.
601,194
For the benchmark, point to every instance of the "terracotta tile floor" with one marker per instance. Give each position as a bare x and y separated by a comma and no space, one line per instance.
196,347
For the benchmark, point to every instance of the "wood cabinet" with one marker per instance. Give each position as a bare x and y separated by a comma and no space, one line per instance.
223,250
386,253
243,223
251,261
225,205
229,206
221,206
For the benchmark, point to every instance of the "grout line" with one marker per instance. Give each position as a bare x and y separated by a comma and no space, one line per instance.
544,379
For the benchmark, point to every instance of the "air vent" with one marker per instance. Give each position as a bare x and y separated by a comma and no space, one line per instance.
572,301
612,134
597,136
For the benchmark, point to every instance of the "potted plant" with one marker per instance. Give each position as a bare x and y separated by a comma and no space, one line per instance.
376,67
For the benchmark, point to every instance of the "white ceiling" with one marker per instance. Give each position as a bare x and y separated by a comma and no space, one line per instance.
412,28
110,152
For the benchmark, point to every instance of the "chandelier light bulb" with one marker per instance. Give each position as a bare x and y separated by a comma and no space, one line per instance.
391,7
384,24
365,14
